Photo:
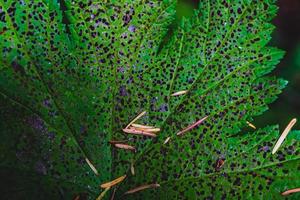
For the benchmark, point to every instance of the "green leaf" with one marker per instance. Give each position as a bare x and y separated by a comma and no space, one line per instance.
74,75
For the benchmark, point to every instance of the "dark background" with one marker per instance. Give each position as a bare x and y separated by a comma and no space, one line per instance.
287,37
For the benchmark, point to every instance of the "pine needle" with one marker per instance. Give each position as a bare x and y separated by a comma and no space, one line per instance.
143,187
139,132
251,125
220,163
179,93
135,119
113,182
152,130
117,141
167,140
113,194
77,197
191,126
141,126
284,134
103,193
124,146
290,191
145,128
91,166
132,168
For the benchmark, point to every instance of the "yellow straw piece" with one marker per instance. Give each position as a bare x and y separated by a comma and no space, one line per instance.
290,191
284,134
143,187
103,193
179,93
92,166
113,182
251,125
135,119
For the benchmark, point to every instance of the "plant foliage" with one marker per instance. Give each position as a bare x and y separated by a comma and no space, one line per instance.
75,73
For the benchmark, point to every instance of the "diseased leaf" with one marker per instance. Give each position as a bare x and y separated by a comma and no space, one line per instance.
249,171
74,74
